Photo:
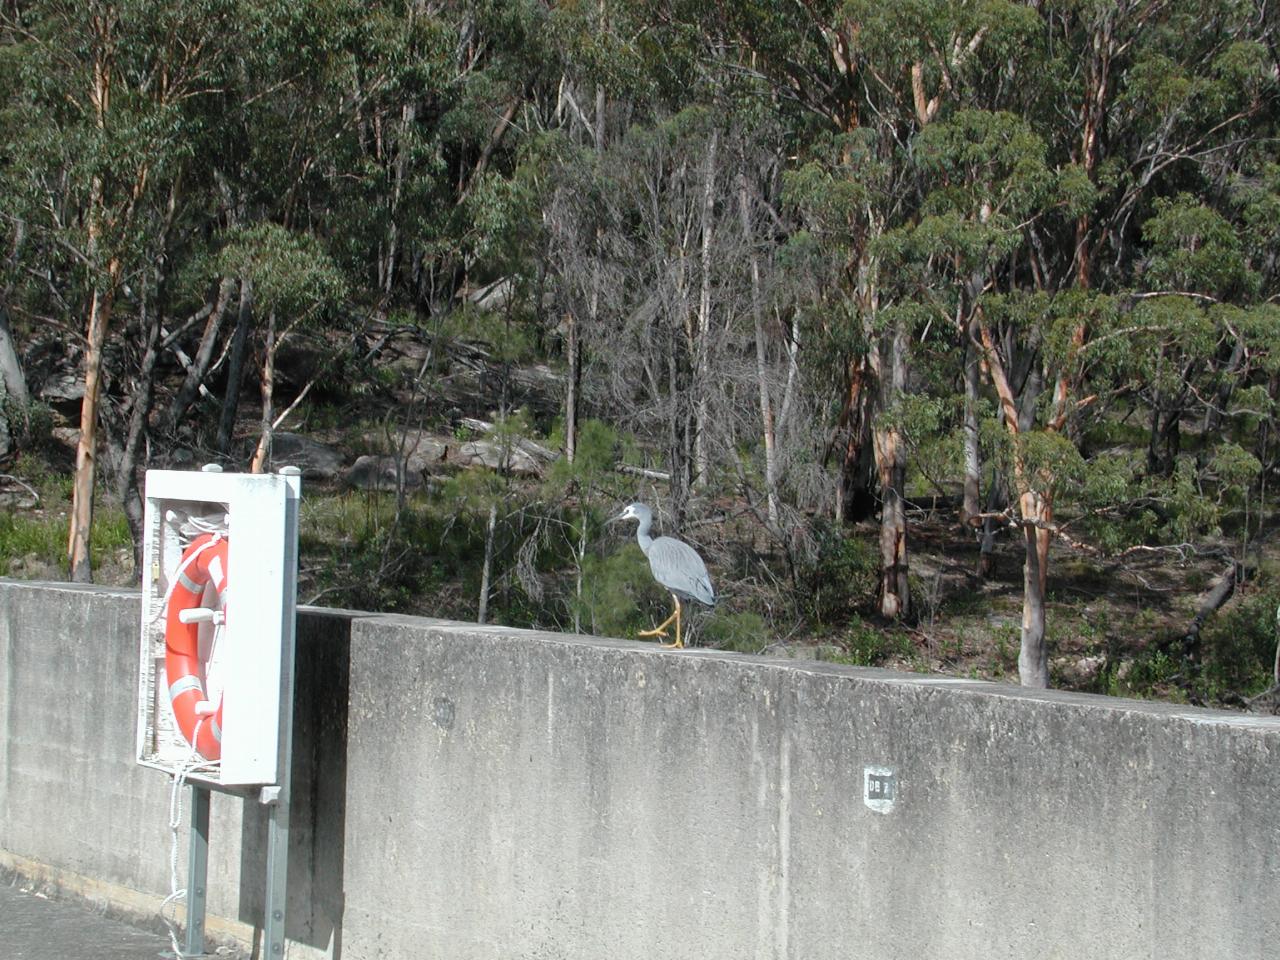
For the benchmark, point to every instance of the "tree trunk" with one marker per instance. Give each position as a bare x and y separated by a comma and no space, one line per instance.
483,612
767,428
972,454
199,368
1033,654
262,456
1036,509
5,442
891,465
101,300
573,347
577,584
1219,594
677,431
573,395
127,475
997,500
702,352
100,304
1226,387
235,367
895,595
855,498
15,384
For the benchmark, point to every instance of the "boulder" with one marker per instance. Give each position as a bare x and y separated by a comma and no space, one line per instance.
317,461
379,473
483,453
421,450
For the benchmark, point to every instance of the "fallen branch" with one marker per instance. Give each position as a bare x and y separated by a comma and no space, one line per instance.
642,472
187,363
1217,596
1268,700
35,497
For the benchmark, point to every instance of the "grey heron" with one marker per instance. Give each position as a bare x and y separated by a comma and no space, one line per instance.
675,565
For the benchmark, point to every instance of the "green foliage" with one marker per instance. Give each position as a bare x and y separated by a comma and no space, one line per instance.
744,631
842,578
1195,248
886,178
506,339
1239,644
30,424
290,271
870,646
594,456
22,535
43,538
618,593
473,490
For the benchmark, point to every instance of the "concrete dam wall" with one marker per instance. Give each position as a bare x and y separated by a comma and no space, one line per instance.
481,792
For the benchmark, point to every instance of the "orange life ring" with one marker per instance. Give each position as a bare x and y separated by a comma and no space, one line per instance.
204,562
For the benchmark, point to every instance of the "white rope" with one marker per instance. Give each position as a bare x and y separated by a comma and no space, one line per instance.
193,763
182,568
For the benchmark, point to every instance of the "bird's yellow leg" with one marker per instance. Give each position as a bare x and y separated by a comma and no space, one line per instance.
679,644
661,629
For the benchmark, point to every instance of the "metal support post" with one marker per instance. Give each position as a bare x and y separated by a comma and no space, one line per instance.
197,871
277,875
278,797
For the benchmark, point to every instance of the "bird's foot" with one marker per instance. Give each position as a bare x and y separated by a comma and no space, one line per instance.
678,645
655,632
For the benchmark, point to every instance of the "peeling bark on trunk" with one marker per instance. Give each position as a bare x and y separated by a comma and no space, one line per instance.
891,466
101,302
483,612
1037,516
262,456
1033,653
895,593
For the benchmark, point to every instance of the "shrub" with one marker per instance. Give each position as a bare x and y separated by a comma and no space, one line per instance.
842,579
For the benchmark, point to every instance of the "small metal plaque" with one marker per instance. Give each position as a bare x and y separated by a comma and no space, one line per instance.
879,788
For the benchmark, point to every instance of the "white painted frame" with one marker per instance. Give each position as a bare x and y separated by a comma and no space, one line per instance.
258,642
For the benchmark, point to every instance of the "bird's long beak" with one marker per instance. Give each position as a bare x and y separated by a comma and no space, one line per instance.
621,516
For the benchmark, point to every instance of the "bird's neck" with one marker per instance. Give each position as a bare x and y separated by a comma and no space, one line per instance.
642,536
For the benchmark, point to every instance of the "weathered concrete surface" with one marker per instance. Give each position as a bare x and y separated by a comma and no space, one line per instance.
504,794
78,815
546,797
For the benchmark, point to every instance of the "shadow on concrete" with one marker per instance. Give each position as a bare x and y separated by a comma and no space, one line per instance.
316,827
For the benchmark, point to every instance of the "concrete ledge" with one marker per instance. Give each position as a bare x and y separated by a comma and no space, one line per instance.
479,792
573,797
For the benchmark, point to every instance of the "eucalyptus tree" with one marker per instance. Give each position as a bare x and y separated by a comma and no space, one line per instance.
1125,75
105,118
864,79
